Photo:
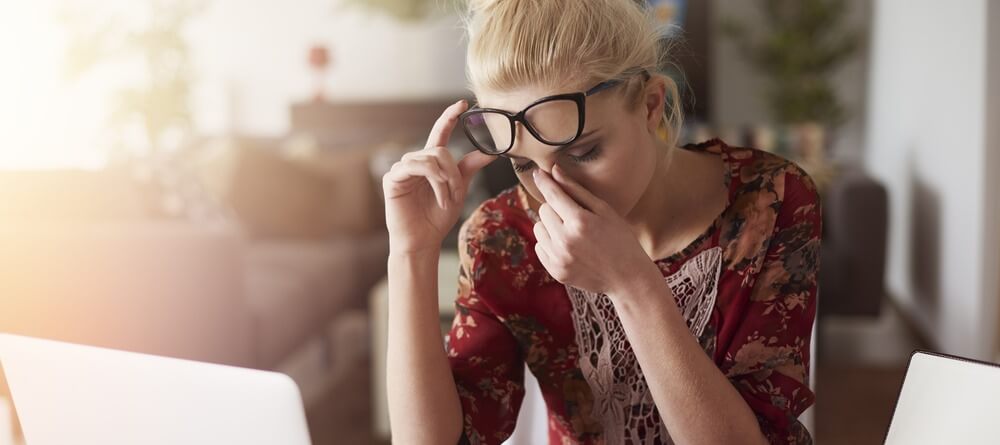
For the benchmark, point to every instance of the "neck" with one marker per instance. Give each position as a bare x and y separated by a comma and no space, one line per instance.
654,216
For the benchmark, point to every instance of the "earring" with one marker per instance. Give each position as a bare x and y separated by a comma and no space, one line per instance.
662,131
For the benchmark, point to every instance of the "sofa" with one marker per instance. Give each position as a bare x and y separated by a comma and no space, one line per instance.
165,288
304,241
92,257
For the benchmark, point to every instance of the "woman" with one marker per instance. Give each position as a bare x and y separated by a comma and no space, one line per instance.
660,294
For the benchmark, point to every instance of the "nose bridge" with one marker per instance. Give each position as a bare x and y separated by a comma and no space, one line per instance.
526,143
546,164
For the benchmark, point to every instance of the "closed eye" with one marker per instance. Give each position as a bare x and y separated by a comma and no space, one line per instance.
590,155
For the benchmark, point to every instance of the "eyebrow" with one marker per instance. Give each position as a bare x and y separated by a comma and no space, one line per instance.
579,141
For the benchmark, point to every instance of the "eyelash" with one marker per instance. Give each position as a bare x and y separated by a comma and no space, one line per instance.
590,155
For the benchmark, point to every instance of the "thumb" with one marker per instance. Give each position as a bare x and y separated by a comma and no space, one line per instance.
472,162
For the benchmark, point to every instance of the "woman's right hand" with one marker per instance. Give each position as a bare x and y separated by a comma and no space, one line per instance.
424,190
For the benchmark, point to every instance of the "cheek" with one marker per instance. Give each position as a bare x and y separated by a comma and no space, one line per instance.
610,173
609,188
604,185
621,181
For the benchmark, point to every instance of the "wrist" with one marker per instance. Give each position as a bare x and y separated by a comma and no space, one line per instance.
420,254
413,275
648,280
405,246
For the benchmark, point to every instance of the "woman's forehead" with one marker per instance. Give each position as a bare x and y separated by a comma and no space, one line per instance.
513,100
518,99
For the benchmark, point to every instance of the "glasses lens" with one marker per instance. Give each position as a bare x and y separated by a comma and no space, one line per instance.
556,121
490,131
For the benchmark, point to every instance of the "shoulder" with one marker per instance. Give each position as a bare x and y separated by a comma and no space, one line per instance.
771,194
761,171
762,180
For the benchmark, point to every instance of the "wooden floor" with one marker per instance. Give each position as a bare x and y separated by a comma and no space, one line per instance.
860,370
854,404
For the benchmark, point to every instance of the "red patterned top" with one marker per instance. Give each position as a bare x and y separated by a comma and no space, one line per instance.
746,287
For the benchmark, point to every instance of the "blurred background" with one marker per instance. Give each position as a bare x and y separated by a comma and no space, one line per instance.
201,179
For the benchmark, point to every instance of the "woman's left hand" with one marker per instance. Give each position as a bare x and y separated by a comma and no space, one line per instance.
582,241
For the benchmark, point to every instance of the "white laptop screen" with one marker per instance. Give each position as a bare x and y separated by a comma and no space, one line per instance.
68,393
946,399
10,427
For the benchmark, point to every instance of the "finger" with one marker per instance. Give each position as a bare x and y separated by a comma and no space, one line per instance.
549,262
424,166
441,132
440,186
442,158
543,256
576,191
554,194
454,174
399,179
553,223
472,162
405,171
541,234
555,228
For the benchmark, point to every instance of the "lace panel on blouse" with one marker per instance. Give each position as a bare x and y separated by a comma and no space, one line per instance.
622,401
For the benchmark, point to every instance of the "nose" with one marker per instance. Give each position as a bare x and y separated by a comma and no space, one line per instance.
524,142
545,165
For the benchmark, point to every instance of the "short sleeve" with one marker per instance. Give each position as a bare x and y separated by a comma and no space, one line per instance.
768,360
484,356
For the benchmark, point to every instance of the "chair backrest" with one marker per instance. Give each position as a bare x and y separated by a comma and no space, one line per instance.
946,399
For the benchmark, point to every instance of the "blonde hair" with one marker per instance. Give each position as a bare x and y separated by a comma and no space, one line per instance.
555,43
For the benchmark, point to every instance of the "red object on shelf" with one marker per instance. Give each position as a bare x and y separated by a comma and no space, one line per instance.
319,60
319,57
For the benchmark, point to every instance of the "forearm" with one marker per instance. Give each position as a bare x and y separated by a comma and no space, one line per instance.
697,403
423,401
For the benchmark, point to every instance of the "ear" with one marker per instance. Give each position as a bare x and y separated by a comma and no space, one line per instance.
654,101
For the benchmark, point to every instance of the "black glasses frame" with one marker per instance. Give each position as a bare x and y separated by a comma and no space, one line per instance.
580,98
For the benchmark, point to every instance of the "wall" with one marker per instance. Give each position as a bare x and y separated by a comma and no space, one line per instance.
927,141
249,63
252,54
992,195
737,91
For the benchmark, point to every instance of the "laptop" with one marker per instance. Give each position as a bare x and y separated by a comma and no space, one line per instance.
66,393
946,399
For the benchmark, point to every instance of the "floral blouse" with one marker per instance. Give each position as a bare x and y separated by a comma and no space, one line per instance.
746,288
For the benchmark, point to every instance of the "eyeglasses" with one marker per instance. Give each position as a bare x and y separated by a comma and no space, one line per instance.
553,120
